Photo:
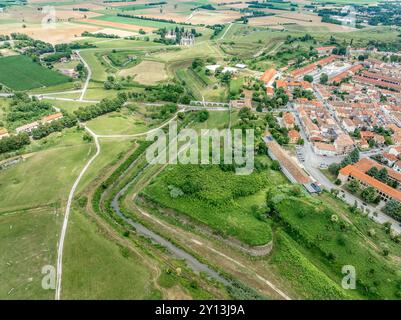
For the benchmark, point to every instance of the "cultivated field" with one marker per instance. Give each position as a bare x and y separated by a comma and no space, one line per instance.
298,19
27,74
62,32
211,17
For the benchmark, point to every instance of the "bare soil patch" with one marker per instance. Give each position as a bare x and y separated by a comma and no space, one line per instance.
301,19
118,25
214,17
59,33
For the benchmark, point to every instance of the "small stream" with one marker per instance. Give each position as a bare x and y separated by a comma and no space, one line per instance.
191,261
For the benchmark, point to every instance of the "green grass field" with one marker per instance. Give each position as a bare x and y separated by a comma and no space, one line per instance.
28,242
137,22
111,151
125,121
47,175
289,262
27,74
97,268
216,120
99,69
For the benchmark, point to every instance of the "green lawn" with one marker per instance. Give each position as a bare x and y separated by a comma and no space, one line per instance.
97,268
3,107
123,122
28,242
98,67
289,262
111,151
27,74
47,175
216,120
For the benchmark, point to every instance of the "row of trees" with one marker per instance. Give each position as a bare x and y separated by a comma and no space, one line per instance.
368,194
103,107
171,92
164,111
43,130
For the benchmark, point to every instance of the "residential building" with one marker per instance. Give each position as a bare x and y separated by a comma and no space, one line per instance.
343,144
288,120
27,127
348,125
324,51
269,76
294,136
397,166
324,149
350,172
391,159
52,117
395,150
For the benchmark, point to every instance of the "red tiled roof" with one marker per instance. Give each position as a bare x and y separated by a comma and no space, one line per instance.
310,67
293,134
288,118
325,146
325,48
390,156
346,73
378,185
365,164
52,117
268,75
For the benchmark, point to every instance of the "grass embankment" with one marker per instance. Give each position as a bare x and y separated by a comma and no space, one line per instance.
332,242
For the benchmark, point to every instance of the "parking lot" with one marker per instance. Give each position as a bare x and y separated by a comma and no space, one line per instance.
300,153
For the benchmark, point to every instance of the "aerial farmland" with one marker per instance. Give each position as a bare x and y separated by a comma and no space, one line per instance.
106,187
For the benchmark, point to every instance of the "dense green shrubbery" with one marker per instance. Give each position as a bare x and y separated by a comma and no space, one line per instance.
14,142
212,185
24,112
216,198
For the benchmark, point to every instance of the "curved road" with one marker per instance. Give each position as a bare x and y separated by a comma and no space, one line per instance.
67,214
